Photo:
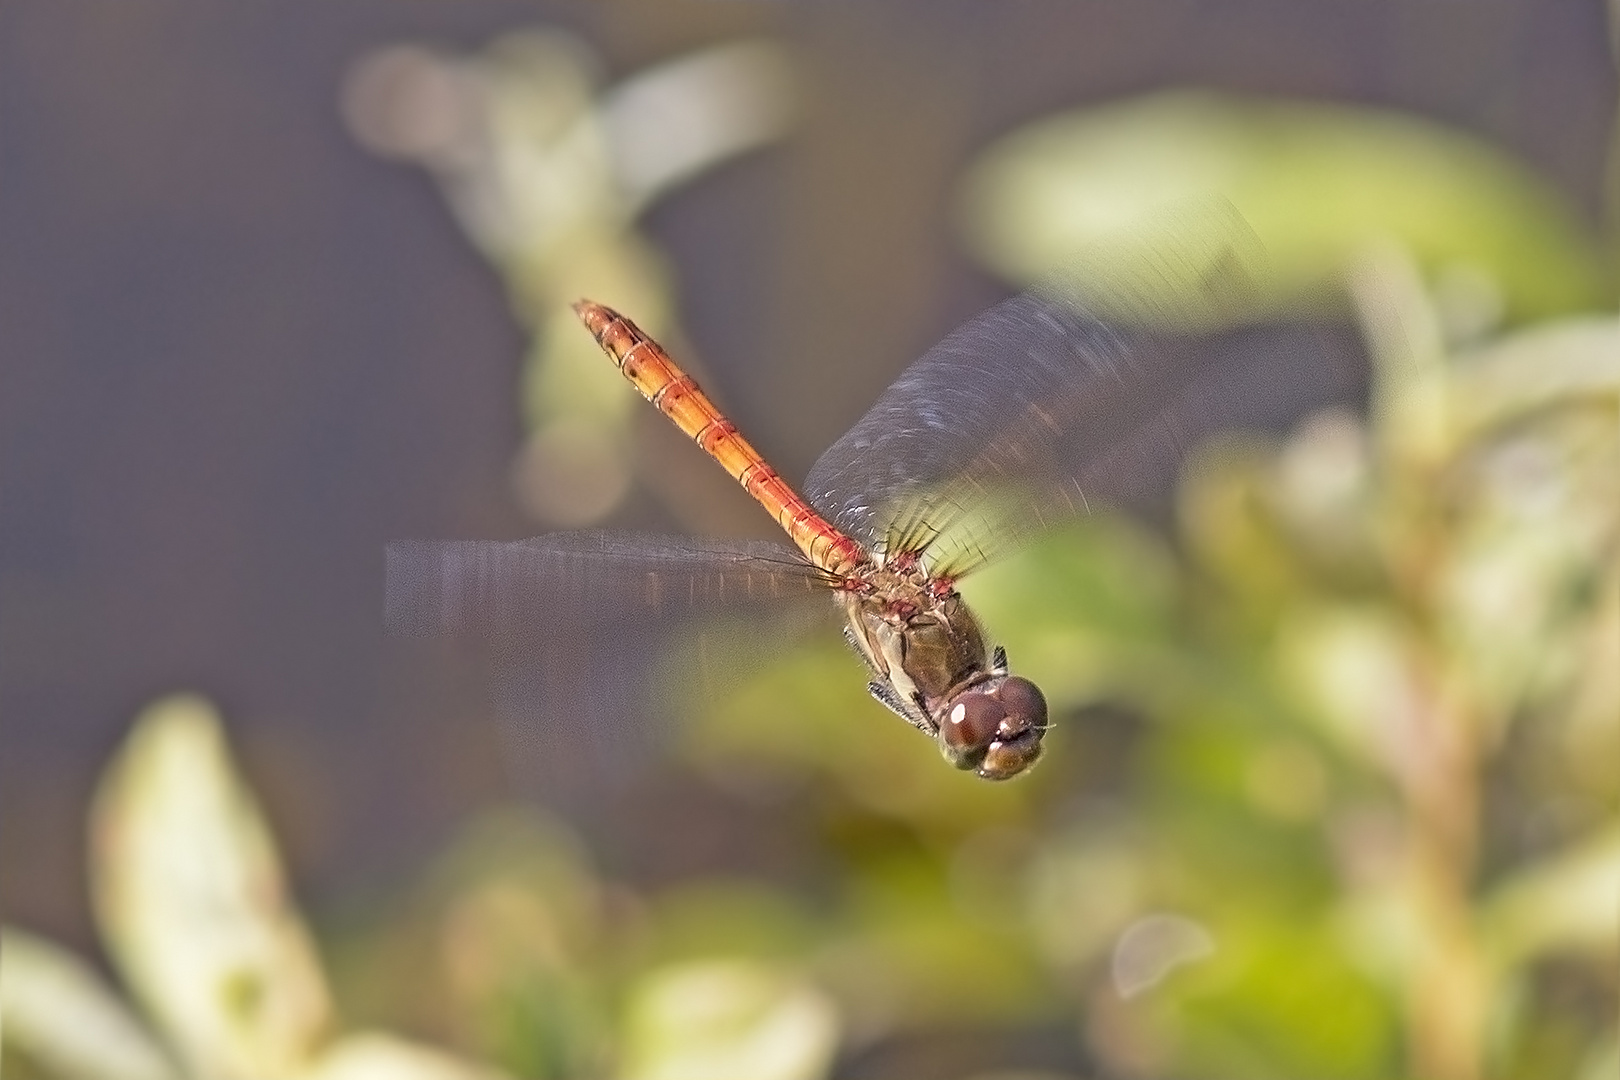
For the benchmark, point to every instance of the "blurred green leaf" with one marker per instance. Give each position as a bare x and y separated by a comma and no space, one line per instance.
189,893
1565,902
384,1057
1560,363
1317,182
547,172
59,1013
727,1020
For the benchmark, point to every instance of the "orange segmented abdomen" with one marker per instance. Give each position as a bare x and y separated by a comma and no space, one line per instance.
677,396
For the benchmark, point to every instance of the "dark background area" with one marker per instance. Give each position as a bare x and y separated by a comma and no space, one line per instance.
238,354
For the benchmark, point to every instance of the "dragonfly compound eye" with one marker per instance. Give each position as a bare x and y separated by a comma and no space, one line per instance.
995,728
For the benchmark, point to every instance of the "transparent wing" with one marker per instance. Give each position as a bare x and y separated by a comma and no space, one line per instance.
575,627
1040,406
511,590
969,411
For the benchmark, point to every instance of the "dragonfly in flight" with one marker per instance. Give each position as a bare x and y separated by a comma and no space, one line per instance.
1020,417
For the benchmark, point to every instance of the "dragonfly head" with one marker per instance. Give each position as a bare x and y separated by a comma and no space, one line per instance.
995,727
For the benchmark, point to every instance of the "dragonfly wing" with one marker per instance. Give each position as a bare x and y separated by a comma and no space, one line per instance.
1253,379
576,629
508,590
1040,406
972,406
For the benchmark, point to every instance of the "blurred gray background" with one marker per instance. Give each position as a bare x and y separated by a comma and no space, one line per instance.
238,353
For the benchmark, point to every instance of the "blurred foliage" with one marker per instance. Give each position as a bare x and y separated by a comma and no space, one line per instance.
1331,792
193,911
192,906
548,173
1316,181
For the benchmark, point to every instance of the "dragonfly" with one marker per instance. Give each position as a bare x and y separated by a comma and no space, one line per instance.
1019,418
924,647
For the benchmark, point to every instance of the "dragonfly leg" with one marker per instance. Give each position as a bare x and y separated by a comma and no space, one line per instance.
914,716
879,688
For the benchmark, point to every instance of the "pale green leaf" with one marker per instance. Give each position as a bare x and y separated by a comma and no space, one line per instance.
1316,181
188,889
727,1020
60,1014
1566,903
376,1056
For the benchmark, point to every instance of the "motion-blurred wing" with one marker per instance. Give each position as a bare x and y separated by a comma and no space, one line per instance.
576,626
1038,407
508,590
972,410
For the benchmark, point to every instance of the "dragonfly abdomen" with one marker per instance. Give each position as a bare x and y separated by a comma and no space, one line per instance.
678,396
